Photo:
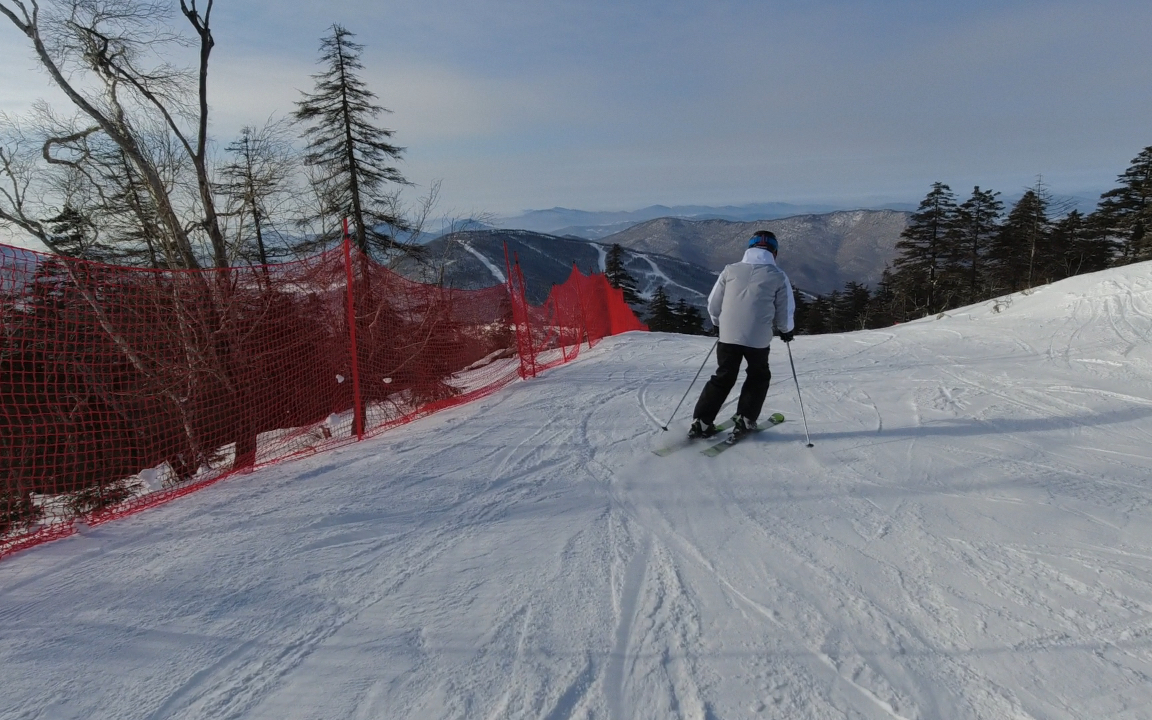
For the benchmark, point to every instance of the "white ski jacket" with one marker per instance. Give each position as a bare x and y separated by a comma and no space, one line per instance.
750,299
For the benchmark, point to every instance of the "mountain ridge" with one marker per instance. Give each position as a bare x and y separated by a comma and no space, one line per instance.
474,259
820,252
595,224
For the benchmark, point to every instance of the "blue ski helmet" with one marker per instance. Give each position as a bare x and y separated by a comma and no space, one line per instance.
764,239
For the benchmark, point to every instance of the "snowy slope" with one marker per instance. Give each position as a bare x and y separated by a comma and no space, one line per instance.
971,537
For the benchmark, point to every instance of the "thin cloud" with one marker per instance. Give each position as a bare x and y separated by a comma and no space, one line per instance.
608,105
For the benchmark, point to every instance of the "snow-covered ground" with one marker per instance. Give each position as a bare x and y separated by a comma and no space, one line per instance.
970,537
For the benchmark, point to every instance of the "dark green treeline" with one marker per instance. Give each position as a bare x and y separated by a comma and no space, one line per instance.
957,252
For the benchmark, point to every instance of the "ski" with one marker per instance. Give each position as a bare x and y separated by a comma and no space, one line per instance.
684,442
773,420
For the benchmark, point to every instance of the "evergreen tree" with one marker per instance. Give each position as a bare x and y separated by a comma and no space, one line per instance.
1023,237
881,308
258,171
660,316
977,220
834,309
130,227
801,313
139,234
817,316
925,246
1080,249
1047,263
352,155
618,277
688,318
853,304
1124,215
73,233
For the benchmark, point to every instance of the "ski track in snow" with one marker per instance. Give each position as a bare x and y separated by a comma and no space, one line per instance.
970,538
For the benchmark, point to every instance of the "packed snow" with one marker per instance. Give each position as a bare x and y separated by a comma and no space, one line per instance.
970,537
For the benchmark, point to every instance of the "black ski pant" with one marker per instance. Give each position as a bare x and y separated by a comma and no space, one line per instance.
752,393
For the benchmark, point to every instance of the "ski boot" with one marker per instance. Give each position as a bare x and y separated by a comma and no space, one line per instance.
741,427
701,429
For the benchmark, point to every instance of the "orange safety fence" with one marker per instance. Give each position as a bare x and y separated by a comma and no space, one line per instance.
123,388
583,309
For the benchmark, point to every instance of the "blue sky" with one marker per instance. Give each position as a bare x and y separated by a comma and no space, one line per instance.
617,105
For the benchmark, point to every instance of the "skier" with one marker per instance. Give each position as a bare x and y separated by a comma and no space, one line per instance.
751,298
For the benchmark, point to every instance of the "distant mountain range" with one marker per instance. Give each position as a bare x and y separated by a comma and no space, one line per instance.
475,259
597,225
819,252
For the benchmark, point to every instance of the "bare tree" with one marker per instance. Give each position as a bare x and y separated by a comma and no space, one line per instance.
19,204
410,221
108,58
58,180
139,140
257,183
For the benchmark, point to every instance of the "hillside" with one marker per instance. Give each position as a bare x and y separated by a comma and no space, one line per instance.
819,252
969,538
475,259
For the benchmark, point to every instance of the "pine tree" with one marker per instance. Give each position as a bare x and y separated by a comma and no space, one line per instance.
839,320
882,311
977,220
139,236
688,318
660,316
73,233
801,312
351,153
1081,250
817,316
618,277
258,171
1124,215
131,222
1023,237
1047,263
852,307
926,245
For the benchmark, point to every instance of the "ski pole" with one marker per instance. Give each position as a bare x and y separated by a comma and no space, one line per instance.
665,426
798,396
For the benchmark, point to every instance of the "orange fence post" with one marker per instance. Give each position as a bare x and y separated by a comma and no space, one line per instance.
579,277
520,319
357,406
528,341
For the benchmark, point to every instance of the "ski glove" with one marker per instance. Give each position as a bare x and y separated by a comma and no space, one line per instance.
786,336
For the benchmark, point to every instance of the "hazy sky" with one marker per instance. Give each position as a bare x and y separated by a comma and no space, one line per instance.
618,104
